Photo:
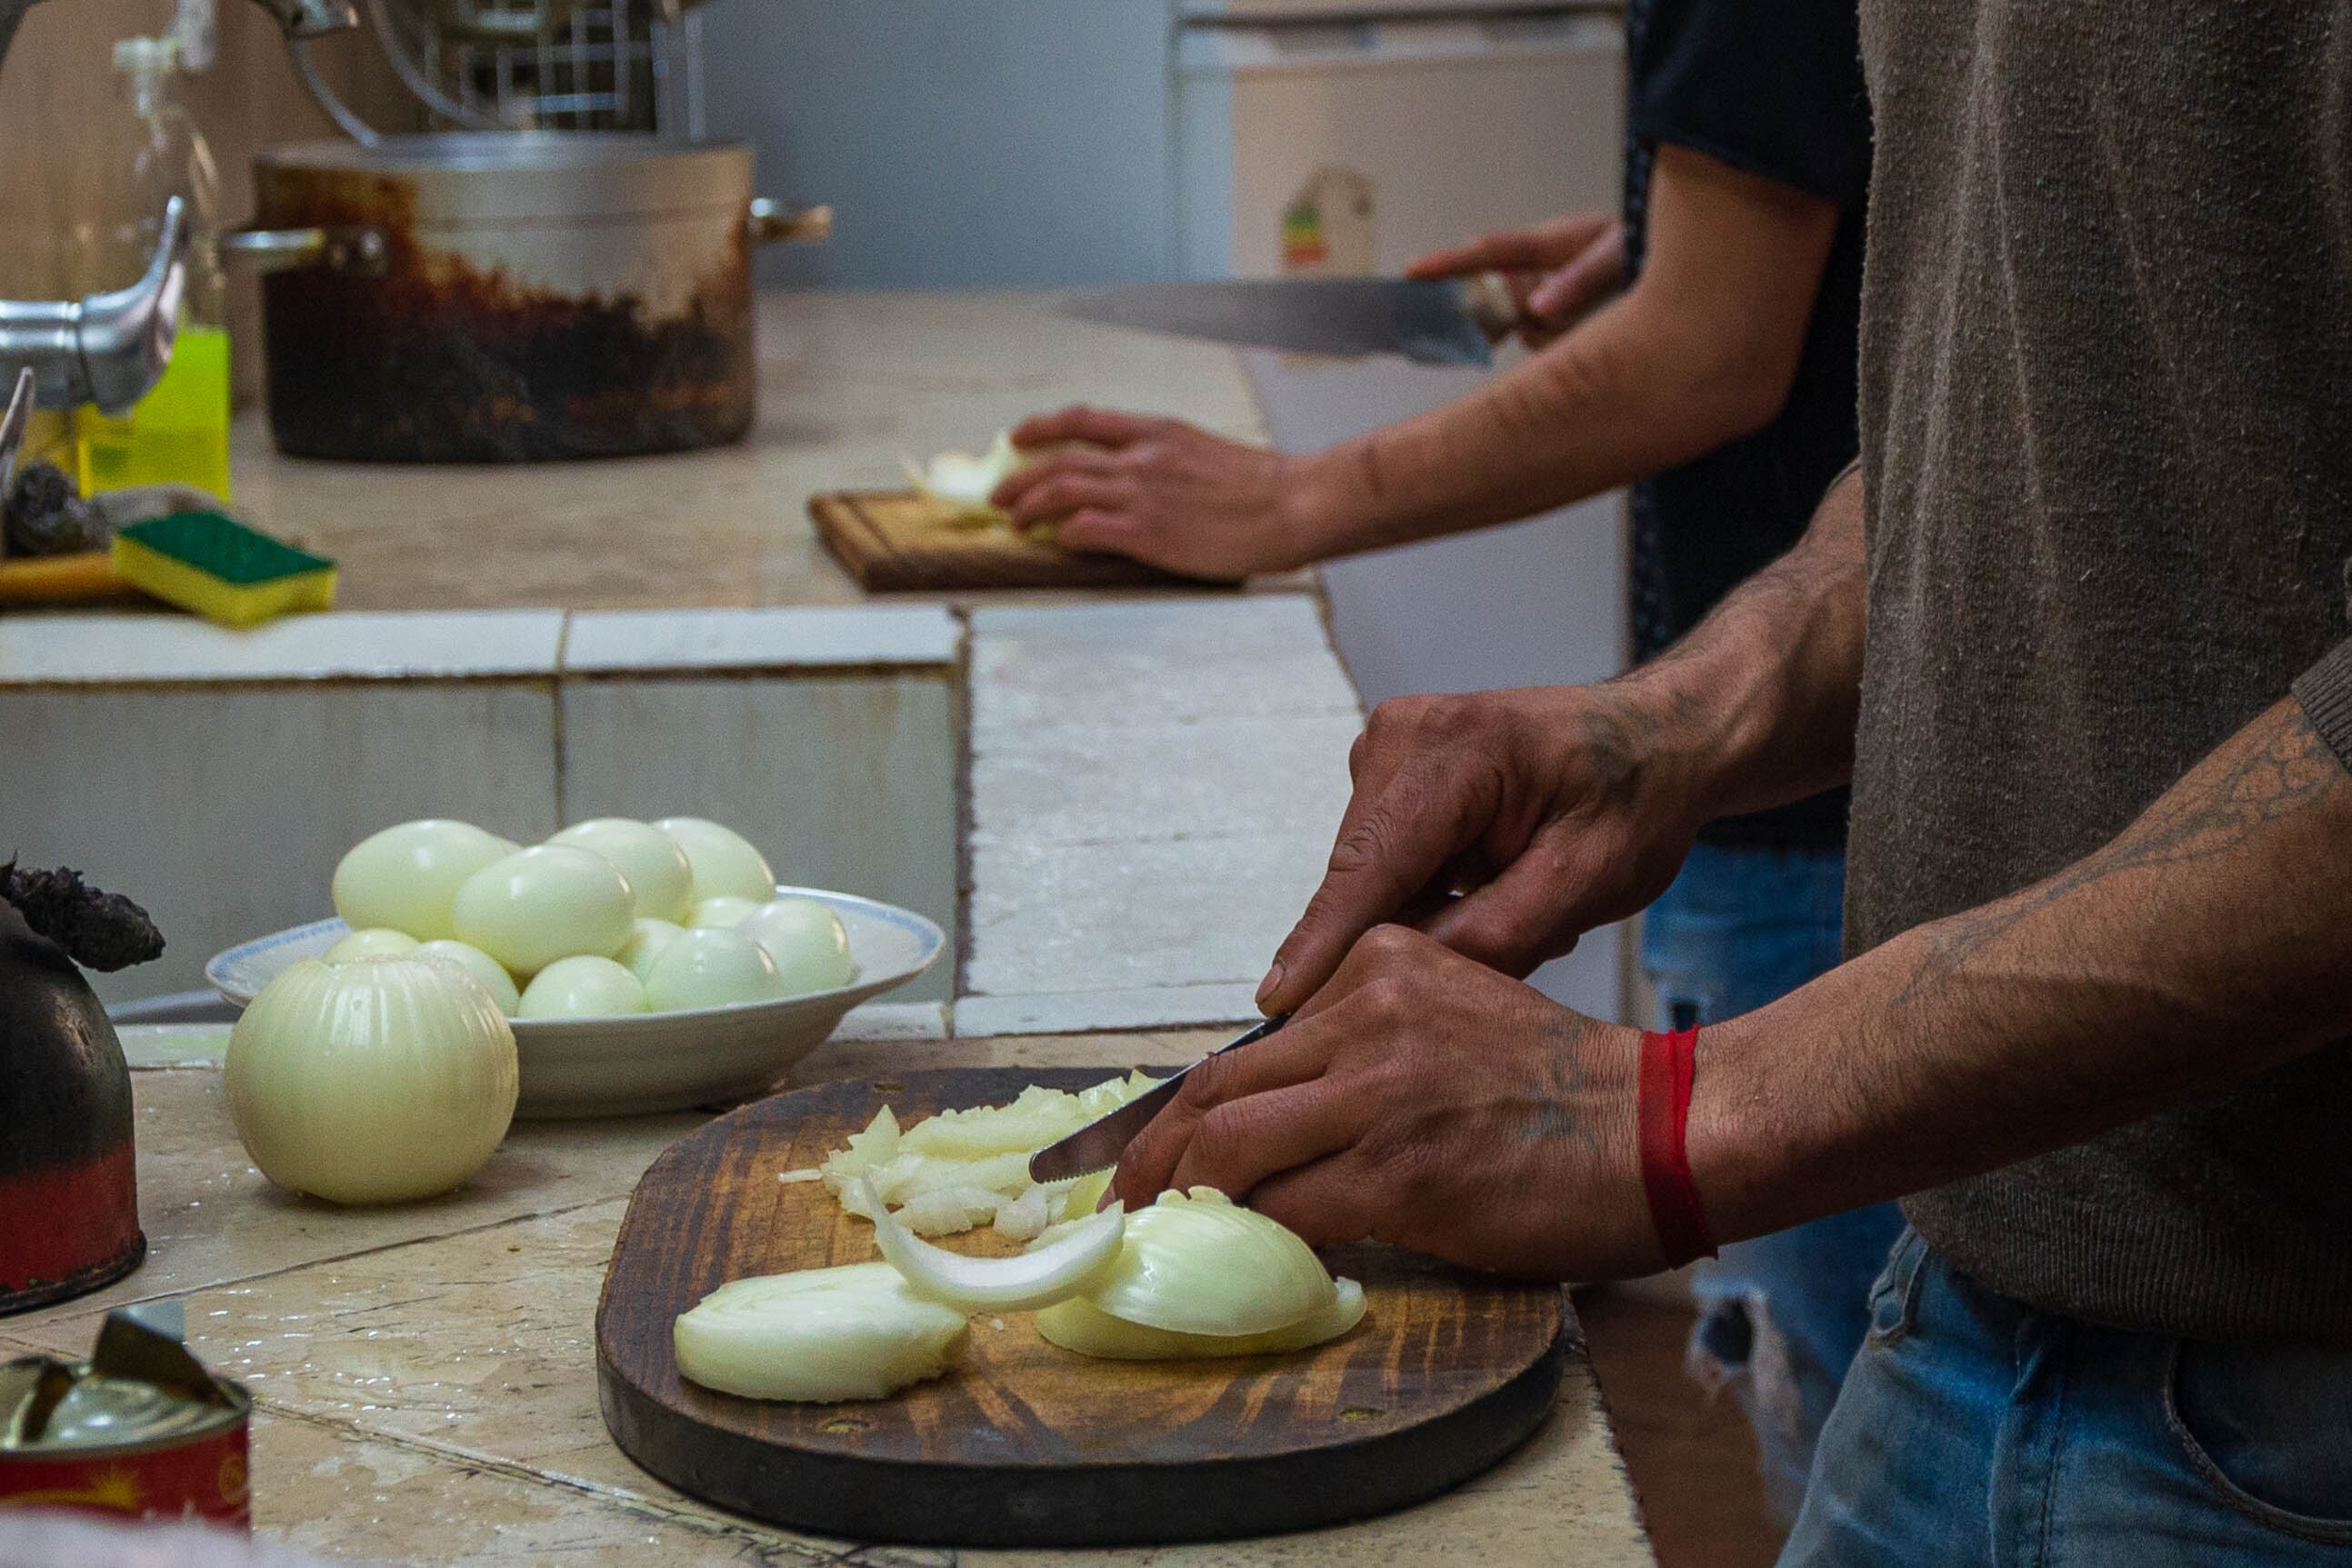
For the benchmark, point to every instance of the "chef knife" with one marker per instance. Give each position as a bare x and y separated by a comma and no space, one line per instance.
1097,1145
1438,322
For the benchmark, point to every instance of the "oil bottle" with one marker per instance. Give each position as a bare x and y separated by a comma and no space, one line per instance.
177,433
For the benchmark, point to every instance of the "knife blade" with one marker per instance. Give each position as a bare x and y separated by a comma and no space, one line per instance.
1097,1145
1441,321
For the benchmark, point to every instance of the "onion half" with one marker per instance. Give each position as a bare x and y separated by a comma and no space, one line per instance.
824,1334
1196,1263
1080,1325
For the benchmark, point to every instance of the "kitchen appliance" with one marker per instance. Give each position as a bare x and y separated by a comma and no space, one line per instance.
1330,138
1023,1443
1441,322
509,296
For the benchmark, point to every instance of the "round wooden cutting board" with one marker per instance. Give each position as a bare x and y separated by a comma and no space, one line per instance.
1025,1444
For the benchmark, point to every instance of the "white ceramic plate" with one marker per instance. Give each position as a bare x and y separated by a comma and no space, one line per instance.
655,1061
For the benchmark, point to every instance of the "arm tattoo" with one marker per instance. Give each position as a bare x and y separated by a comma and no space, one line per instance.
2252,782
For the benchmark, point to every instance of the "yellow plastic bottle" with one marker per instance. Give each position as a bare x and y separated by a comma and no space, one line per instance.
177,433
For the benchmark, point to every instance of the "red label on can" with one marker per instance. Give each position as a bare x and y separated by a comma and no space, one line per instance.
203,1478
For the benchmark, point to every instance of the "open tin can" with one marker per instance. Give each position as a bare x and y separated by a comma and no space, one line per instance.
140,1429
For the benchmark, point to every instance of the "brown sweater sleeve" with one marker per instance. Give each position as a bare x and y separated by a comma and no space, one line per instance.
2324,690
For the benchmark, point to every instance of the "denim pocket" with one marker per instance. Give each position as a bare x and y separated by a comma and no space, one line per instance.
2269,1430
1894,1297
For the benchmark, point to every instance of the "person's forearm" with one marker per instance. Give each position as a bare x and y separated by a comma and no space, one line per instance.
1631,391
2211,941
1754,705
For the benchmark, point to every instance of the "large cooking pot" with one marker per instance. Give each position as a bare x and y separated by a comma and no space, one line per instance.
507,297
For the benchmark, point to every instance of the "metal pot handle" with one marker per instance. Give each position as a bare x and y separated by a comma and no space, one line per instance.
770,223
360,251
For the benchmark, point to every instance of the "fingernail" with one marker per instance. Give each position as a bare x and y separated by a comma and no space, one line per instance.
1272,983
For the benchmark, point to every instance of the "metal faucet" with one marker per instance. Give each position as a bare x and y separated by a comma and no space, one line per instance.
110,349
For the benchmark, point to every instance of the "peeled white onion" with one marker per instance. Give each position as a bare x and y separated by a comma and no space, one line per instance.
962,483
648,940
711,968
806,939
725,910
406,877
532,907
376,942
481,966
1200,1264
583,986
659,871
373,1082
852,1332
1016,1284
725,863
1079,1325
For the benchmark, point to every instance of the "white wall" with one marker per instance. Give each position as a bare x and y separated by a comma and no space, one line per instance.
996,144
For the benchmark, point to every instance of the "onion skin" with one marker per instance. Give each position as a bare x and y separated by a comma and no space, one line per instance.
1077,1324
380,1080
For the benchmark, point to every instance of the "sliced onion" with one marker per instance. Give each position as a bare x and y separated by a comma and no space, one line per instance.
1199,1264
1012,1284
852,1332
1079,1325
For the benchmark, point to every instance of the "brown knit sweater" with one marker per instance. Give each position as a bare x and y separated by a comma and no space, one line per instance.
2106,398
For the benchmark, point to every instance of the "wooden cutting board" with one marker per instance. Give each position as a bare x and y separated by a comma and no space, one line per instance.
895,540
1025,1444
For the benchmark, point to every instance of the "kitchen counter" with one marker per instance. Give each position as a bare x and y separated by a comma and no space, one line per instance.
424,1375
1131,796
850,383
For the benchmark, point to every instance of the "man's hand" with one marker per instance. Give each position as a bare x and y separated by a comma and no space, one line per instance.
1424,1100
1552,810
1559,272
1165,493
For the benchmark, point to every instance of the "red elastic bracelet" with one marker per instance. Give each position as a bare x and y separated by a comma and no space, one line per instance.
1662,1110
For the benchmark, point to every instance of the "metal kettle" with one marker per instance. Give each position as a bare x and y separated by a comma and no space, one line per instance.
68,1179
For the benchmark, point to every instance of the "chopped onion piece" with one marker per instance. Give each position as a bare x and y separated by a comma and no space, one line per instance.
949,1210
1023,1218
852,1332
808,1173
1000,1284
1079,1325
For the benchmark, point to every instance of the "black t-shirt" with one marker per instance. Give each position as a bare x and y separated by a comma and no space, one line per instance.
1775,90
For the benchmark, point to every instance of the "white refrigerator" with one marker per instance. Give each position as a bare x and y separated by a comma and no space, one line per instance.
1316,137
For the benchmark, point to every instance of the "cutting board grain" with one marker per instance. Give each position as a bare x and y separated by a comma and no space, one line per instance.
895,541
1025,1444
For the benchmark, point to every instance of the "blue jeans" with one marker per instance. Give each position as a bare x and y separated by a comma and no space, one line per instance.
1782,1314
1975,1430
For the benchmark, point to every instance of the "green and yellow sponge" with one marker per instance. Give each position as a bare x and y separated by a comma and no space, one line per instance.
219,569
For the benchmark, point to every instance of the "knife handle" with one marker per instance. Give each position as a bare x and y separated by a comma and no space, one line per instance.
1486,299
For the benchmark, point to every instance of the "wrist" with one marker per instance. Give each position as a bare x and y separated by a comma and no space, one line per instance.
1334,502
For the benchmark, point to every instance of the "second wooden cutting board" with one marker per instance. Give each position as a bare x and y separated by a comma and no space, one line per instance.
895,541
1025,1444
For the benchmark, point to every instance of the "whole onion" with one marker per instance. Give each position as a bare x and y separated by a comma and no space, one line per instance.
377,1080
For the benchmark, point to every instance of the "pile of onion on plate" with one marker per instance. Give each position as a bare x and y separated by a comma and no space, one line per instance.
608,917
386,1069
1192,1276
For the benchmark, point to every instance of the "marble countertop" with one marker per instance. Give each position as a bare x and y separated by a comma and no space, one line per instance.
850,383
424,1375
